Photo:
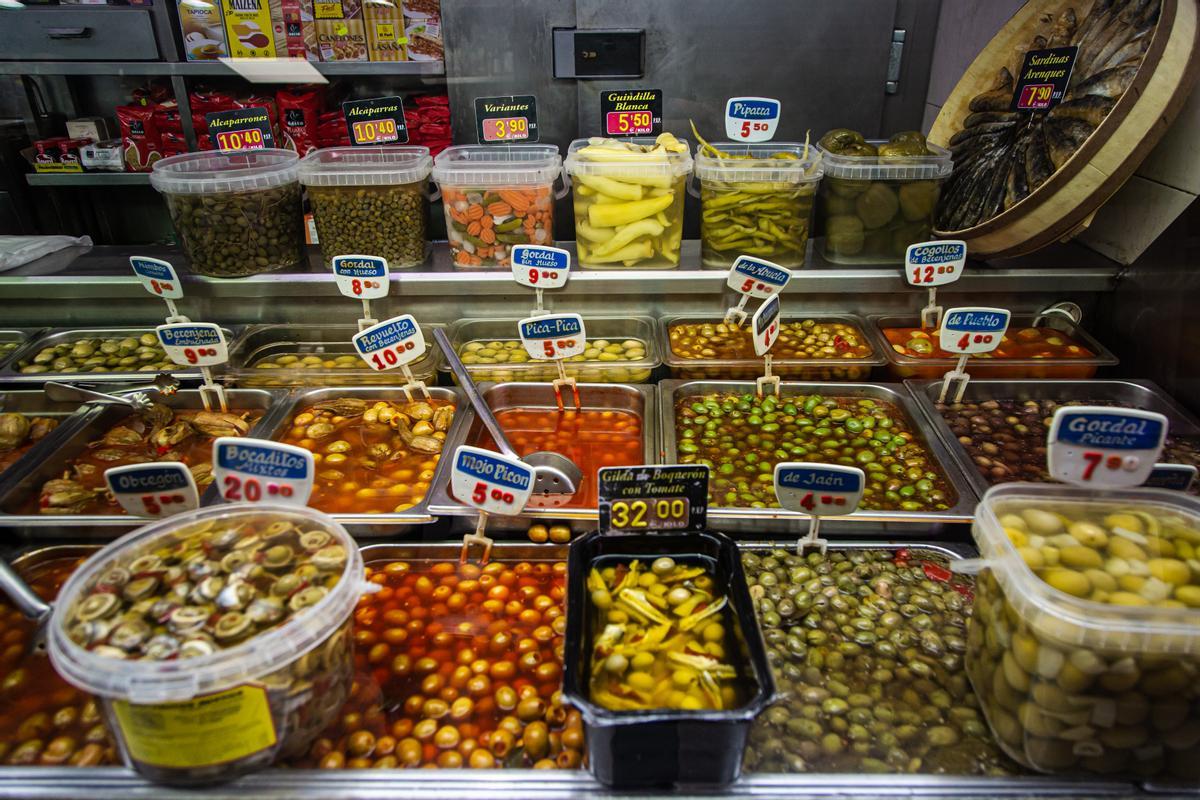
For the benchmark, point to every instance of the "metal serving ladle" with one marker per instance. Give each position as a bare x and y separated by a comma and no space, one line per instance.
553,473
27,602
137,399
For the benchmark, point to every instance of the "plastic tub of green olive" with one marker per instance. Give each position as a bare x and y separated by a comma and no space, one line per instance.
619,350
218,640
95,354
1084,647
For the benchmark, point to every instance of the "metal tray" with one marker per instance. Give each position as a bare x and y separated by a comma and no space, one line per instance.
780,521
59,335
93,422
33,402
373,524
500,396
1141,394
22,337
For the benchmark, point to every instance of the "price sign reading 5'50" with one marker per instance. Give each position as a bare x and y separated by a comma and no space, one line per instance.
540,267
552,336
757,278
764,326
260,471
929,264
489,481
194,344
361,277
821,490
1104,447
153,490
966,331
157,276
392,343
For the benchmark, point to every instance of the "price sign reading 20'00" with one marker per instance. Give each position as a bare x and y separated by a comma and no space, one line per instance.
489,481
194,344
1104,447
552,336
392,343
966,331
260,471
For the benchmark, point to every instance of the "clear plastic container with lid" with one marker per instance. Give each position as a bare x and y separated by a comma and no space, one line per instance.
756,200
235,214
1084,646
870,208
497,196
370,201
629,197
217,640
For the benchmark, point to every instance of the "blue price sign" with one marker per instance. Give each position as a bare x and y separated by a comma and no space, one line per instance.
157,276
361,277
153,490
552,336
929,264
764,326
976,329
260,471
489,481
194,344
757,278
1104,447
1172,476
820,490
392,343
540,267
751,119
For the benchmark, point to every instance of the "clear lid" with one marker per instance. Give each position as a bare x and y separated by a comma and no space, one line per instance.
629,163
1076,621
365,166
761,166
184,678
874,168
211,172
498,165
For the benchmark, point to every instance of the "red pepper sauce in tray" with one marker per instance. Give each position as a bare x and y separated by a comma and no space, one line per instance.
1048,343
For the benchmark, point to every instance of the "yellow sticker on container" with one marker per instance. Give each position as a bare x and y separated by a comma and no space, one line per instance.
208,730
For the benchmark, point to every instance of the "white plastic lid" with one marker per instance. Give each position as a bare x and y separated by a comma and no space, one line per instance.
631,163
874,168
365,166
211,172
498,165
761,167
1075,621
181,679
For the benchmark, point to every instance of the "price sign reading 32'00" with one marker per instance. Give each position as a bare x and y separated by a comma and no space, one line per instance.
552,336
540,267
392,343
194,344
260,471
489,481
1104,447
966,331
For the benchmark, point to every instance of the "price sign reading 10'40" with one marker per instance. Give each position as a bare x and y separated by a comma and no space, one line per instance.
392,343
1104,447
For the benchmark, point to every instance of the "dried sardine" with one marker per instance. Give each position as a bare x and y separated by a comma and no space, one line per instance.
1110,83
991,117
1091,108
1065,135
1064,29
1018,187
1038,166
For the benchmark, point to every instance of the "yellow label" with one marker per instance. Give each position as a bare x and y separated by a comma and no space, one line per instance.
208,730
249,28
328,10
385,31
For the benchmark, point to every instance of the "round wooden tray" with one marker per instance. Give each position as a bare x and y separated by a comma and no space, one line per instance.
1063,205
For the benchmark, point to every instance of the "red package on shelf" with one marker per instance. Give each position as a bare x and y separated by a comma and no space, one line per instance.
167,118
299,113
261,101
140,139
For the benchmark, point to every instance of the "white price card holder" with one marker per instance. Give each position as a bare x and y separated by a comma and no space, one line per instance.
363,278
764,329
934,264
260,471
554,337
197,344
751,119
968,331
154,489
753,277
492,483
1178,477
1104,447
395,342
539,267
158,278
819,490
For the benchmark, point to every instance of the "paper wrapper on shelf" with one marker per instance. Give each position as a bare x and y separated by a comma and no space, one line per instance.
299,116
140,139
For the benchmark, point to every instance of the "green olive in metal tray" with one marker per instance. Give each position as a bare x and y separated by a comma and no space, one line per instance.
741,437
134,353
867,651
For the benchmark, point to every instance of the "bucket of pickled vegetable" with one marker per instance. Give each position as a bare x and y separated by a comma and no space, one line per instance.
1084,648
629,200
217,640
497,196
757,200
663,657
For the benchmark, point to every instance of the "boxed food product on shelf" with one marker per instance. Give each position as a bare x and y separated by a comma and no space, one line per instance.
386,39
1082,647
341,33
254,28
140,138
300,31
300,111
203,29
94,129
105,156
423,29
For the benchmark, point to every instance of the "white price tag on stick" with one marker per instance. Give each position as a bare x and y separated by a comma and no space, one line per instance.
540,267
934,264
754,277
194,344
361,277
967,331
1104,447
158,277
819,490
764,330
153,490
1179,477
392,343
553,336
492,483
261,471
751,119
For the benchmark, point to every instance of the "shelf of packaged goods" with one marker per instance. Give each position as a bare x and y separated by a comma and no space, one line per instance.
103,271
206,68
88,178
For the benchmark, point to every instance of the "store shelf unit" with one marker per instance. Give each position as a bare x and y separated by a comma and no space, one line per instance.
88,178
211,68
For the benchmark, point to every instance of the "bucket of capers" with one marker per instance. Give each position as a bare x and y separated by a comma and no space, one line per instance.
217,641
1084,647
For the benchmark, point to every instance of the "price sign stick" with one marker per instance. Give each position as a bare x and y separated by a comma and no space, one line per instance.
564,380
555,337
764,331
490,483
736,315
931,314
395,342
767,378
368,319
959,371
539,267
158,277
201,345
818,490
211,387
966,331
411,384
933,264
478,537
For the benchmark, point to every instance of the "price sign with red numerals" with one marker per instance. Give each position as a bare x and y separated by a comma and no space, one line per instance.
153,490
1042,82
1104,447
967,331
755,277
376,121
552,336
505,129
240,129
540,267
751,119
631,112
929,264
194,344
820,490
764,326
392,343
499,120
489,481
157,276
260,471
361,277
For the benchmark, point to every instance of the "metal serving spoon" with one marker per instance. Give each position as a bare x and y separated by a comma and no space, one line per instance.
27,602
137,398
553,473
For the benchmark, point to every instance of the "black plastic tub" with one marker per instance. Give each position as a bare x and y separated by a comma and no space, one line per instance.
666,746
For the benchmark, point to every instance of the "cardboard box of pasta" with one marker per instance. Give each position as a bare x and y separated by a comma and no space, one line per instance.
341,32
255,28
385,30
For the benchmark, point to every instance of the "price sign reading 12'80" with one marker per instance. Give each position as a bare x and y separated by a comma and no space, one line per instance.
361,277
929,264
489,481
540,267
757,278
764,326
552,336
153,490
260,471
1103,446
157,276
195,344
392,343
966,331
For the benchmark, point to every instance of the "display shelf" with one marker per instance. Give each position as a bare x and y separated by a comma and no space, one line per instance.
205,68
88,178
